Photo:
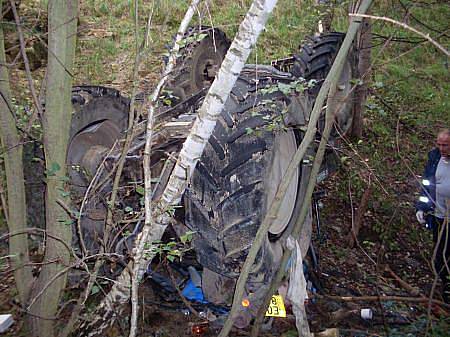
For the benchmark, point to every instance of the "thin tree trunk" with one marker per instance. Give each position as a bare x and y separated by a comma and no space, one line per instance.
61,44
112,304
192,150
137,267
365,52
12,150
329,82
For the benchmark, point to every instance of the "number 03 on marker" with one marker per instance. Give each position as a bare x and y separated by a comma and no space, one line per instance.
276,307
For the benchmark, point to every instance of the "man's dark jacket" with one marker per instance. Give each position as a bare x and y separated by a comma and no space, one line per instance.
429,191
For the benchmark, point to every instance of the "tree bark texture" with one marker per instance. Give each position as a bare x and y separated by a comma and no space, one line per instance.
358,221
62,20
12,150
363,71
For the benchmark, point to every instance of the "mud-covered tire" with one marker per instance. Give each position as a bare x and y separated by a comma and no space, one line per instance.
199,61
227,199
96,103
100,118
316,56
314,61
93,105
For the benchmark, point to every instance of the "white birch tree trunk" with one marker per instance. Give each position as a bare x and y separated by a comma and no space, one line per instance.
193,147
138,251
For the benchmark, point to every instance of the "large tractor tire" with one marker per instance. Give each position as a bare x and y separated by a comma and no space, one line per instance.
100,119
235,182
314,61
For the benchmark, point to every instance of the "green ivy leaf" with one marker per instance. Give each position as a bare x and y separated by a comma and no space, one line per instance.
187,237
140,190
54,167
95,289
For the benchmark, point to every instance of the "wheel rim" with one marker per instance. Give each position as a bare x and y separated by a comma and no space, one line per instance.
84,155
87,150
206,63
285,146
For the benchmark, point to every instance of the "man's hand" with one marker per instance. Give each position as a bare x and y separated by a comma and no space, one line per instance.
420,217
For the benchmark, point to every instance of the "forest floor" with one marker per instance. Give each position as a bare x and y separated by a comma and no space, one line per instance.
343,272
390,262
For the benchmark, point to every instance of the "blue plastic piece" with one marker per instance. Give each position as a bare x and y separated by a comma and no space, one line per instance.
193,293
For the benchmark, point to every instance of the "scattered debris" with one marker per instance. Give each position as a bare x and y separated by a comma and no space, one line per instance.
5,322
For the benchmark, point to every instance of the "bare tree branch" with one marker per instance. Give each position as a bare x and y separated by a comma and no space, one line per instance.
404,25
34,94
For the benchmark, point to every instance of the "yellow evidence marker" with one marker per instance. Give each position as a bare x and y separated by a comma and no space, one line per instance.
276,307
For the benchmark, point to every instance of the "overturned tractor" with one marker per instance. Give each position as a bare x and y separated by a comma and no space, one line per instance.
238,174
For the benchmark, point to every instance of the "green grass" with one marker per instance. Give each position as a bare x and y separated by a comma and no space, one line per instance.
291,22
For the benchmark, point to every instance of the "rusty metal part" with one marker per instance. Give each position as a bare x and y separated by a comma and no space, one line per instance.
87,149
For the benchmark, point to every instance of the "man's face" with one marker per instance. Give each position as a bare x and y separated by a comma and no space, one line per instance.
443,144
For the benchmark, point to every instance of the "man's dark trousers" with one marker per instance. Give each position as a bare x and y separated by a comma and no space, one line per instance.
442,255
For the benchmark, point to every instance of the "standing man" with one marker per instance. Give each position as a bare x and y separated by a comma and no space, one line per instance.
433,207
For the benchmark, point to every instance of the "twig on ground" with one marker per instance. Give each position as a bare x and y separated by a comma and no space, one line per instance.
384,298
412,290
364,203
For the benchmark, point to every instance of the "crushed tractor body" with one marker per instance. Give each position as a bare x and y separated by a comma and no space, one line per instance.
237,176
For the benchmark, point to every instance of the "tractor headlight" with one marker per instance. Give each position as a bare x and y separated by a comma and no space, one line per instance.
426,182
